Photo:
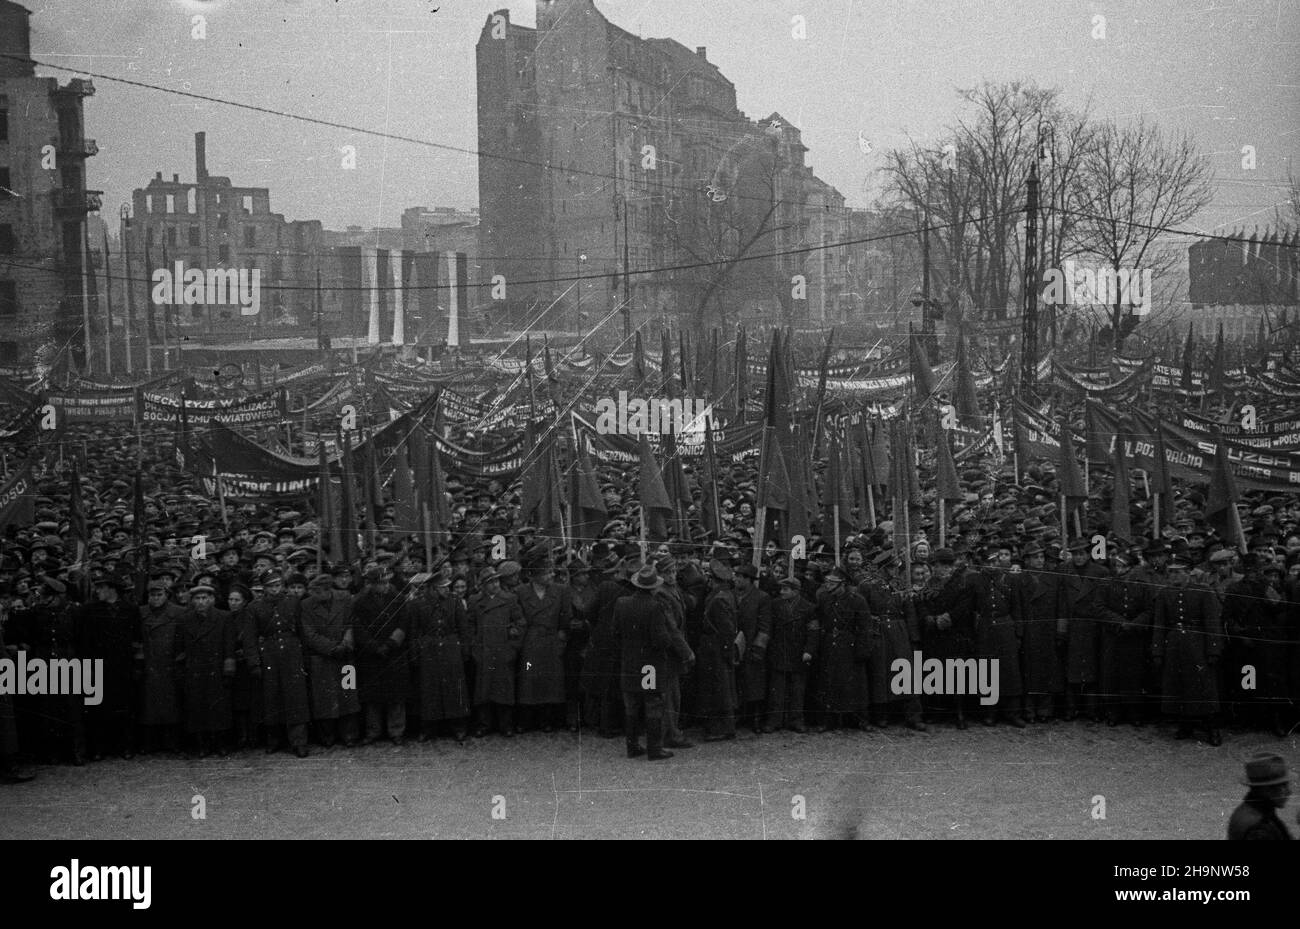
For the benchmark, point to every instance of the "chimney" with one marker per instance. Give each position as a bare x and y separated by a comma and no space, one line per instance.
201,156
702,51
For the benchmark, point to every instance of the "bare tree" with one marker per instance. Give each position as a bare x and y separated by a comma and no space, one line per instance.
1134,184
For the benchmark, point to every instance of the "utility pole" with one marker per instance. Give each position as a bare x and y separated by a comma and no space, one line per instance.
1029,323
124,217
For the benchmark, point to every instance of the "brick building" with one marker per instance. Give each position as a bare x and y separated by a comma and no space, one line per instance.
605,153
212,224
1239,279
43,204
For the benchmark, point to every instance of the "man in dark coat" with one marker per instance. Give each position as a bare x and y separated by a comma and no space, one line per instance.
497,628
107,629
1083,584
604,699
1270,788
643,632
205,650
670,681
439,629
999,629
11,772
48,632
1254,614
547,615
716,656
754,619
947,618
790,651
284,681
842,671
1125,622
383,671
893,633
159,692
327,641
1188,640
1037,590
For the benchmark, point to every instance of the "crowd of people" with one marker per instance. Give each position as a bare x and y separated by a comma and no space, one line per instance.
232,628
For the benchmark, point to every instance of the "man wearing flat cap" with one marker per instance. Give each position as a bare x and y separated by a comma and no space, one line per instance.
790,653
842,671
497,628
754,618
439,628
1083,585
1187,640
600,681
1270,788
1125,626
946,616
108,629
547,613
383,671
1254,619
205,652
276,617
328,644
716,656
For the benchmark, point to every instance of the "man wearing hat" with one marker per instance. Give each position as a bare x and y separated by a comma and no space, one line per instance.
327,641
600,681
440,640
754,618
1038,592
1254,619
275,618
1083,583
670,681
644,635
1187,640
1125,629
716,656
159,693
497,626
46,632
1270,788
547,614
205,652
791,651
946,614
383,672
841,672
107,629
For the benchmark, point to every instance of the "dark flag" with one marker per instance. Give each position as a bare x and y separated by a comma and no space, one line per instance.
946,482
1216,369
539,500
638,360
406,507
1068,474
587,513
656,505
1120,525
710,513
327,509
1161,485
666,366
347,499
19,499
1221,502
968,406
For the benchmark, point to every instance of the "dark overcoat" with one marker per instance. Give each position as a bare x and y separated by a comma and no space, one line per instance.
1081,593
324,625
999,627
439,627
715,667
205,645
498,626
541,657
754,618
645,637
376,617
109,631
1188,638
160,694
1043,665
892,628
841,670
1125,623
284,678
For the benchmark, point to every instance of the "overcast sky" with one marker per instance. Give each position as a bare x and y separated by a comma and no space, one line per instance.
1227,72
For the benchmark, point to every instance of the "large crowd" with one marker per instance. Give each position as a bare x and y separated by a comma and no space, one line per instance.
261,638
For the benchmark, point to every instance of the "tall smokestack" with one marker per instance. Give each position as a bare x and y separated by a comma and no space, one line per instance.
201,156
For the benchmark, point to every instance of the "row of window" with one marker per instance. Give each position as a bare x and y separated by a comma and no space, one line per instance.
194,236
166,203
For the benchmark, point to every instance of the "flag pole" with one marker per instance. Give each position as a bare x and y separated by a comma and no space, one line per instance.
943,524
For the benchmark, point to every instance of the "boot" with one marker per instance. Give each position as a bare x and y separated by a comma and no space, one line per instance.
634,749
654,736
